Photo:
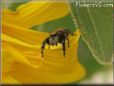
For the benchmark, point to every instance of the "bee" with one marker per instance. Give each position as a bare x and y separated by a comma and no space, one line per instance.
59,36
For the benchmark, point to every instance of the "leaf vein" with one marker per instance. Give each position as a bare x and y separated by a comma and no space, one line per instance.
99,41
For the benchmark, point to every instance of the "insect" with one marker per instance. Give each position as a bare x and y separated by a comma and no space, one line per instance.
57,37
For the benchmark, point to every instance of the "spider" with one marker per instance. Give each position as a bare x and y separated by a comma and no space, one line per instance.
57,37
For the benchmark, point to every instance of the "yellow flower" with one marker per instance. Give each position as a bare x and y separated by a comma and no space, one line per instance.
21,52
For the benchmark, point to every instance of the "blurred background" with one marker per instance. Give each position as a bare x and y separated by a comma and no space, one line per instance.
96,73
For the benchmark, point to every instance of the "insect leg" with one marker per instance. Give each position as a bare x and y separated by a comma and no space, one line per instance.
48,46
43,46
63,44
68,42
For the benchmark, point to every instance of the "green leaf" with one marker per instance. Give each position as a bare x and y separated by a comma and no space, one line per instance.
96,26
86,59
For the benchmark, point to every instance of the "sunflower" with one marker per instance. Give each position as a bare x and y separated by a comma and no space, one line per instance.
21,47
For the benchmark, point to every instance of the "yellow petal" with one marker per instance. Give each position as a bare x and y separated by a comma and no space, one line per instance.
8,38
55,67
13,55
35,13
22,47
6,62
26,35
7,79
